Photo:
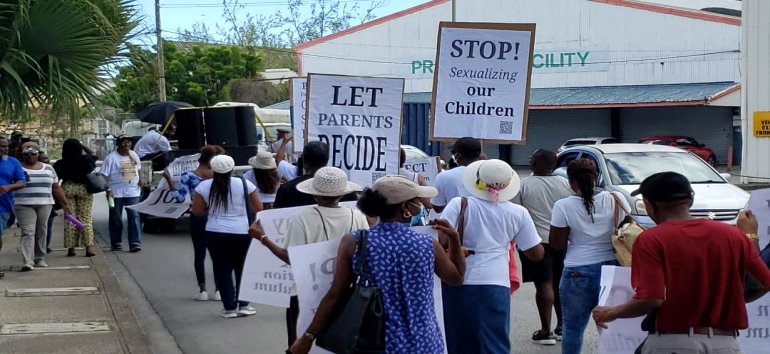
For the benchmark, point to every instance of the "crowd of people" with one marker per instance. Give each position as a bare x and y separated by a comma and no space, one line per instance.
561,227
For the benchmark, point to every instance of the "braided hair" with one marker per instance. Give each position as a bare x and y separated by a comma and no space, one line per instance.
583,173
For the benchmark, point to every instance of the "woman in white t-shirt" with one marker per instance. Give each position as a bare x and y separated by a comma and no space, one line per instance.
224,199
587,220
265,176
477,314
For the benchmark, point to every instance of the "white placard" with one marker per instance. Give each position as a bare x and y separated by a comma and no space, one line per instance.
756,338
181,165
623,335
360,119
297,101
759,204
481,86
427,167
161,203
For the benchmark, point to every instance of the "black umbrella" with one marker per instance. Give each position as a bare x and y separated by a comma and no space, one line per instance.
160,112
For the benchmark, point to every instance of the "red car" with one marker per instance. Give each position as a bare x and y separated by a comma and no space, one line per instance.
686,143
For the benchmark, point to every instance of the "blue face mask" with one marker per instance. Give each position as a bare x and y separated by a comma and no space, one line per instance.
417,219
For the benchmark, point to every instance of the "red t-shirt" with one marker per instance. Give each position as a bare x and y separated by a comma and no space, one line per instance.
697,267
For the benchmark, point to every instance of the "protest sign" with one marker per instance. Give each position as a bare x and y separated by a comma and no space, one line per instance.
181,165
623,335
360,119
161,203
759,204
298,95
267,279
482,81
756,338
428,168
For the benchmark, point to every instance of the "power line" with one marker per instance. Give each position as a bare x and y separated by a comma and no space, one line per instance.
244,4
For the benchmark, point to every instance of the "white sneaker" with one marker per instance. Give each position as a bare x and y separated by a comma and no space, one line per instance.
229,313
41,263
247,311
202,296
217,297
27,267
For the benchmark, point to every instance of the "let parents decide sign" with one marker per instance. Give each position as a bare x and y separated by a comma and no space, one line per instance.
298,96
360,119
481,86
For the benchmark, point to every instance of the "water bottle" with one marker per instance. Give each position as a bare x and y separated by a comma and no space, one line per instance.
74,221
110,201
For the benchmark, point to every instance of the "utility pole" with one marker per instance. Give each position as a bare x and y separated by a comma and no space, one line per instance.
161,65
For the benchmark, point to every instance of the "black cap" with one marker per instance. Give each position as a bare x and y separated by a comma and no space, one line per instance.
665,187
468,147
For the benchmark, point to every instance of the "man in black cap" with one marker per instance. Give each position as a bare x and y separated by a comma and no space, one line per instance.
688,275
450,182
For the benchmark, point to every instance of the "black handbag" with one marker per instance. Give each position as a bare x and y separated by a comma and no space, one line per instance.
95,183
359,327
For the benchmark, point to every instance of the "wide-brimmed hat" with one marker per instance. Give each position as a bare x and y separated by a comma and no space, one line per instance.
492,180
398,189
222,164
263,161
328,182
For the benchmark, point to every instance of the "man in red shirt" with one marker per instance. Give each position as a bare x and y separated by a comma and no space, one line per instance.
688,275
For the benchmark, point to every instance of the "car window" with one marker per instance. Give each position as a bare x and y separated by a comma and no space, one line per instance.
563,161
659,142
683,142
611,141
693,142
579,142
633,167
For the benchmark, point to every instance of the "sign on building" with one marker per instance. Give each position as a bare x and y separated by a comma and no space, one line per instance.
482,81
298,95
762,124
360,119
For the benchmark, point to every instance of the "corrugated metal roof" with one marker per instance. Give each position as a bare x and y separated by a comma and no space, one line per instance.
602,95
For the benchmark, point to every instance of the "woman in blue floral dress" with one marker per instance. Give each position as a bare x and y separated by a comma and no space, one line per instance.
401,263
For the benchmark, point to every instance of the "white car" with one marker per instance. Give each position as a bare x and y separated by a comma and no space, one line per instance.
588,141
622,167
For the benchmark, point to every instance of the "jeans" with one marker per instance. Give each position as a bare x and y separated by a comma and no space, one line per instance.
198,235
228,253
116,223
33,222
4,221
50,228
579,291
477,319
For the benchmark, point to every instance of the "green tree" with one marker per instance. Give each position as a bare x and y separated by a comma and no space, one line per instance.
198,74
53,54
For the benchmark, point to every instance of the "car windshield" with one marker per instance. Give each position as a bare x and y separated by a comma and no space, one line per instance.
580,142
633,167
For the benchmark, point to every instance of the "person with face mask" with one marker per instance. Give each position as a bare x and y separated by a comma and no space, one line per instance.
12,178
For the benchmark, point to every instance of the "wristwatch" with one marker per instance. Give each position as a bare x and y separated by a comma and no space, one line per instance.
309,335
752,237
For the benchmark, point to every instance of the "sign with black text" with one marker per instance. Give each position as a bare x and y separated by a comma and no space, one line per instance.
427,167
482,81
360,119
297,100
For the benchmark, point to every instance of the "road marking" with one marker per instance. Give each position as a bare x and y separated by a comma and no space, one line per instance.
82,290
64,267
64,249
54,328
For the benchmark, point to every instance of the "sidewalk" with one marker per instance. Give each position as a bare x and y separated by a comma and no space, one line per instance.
73,306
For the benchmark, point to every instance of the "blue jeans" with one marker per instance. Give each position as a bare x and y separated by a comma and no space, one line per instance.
477,319
4,218
228,253
579,291
116,223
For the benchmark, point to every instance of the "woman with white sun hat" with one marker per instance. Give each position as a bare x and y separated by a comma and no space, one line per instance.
490,222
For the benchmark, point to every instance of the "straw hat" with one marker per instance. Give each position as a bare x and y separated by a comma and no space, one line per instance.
492,180
263,161
328,182
398,189
222,164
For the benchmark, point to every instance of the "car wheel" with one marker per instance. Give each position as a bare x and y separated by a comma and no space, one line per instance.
712,160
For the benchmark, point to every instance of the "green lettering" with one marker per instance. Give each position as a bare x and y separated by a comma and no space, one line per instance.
537,65
583,56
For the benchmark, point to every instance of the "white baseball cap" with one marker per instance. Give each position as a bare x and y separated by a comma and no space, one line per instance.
222,164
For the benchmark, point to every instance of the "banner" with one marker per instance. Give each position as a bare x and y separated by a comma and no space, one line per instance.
298,95
623,335
181,165
756,338
482,81
360,119
161,201
428,168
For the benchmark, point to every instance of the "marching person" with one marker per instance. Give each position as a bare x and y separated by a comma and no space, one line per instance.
33,205
538,194
688,275
188,181
450,183
283,140
43,157
414,177
287,170
397,259
265,176
12,178
76,163
587,221
121,171
224,198
477,314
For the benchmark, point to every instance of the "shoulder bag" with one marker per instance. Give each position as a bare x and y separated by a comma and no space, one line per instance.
360,325
461,226
249,213
95,183
623,238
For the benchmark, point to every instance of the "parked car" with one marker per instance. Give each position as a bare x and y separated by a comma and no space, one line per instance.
686,143
413,153
622,167
588,141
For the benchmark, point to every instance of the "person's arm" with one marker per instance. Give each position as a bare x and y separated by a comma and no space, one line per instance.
527,238
86,149
343,276
280,155
19,176
257,232
631,309
167,176
439,202
255,203
450,264
748,224
58,195
199,207
558,237
425,201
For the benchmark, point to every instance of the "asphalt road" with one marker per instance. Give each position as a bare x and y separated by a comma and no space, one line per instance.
160,281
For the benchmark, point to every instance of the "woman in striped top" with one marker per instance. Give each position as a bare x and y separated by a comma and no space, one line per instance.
33,205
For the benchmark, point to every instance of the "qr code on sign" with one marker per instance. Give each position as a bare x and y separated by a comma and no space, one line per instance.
377,175
506,127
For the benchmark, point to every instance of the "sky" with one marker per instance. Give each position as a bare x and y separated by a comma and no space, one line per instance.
182,14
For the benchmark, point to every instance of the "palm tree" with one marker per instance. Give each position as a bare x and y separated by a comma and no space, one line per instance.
54,53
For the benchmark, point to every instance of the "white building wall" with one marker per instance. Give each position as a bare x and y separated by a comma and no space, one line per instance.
628,44
755,87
